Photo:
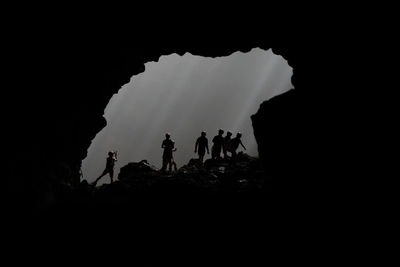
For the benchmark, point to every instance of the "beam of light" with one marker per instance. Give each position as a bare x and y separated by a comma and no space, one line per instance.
250,104
185,95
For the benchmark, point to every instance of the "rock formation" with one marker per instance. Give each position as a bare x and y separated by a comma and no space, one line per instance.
59,96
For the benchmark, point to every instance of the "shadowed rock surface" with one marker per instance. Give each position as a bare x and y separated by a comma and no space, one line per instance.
244,175
191,189
67,85
66,110
59,74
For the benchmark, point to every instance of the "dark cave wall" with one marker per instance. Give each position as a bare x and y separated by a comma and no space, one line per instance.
60,92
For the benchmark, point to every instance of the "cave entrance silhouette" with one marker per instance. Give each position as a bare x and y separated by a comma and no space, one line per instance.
184,95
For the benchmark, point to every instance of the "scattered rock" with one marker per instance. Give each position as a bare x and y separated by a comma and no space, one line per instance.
140,186
213,175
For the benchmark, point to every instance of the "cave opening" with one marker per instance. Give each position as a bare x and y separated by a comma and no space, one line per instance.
184,95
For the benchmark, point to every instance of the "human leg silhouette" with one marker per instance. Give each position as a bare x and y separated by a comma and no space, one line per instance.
172,164
104,173
111,172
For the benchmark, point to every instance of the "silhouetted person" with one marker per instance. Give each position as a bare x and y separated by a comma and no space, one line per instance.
234,145
172,162
111,159
168,146
218,143
201,146
227,140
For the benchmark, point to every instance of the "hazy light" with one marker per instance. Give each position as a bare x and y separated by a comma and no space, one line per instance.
184,95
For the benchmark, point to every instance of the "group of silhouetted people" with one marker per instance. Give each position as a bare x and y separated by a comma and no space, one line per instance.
220,144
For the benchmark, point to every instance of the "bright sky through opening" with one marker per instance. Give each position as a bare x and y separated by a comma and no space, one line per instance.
184,95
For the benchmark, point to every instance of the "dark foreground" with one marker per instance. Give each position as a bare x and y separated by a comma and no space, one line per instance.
198,209
141,191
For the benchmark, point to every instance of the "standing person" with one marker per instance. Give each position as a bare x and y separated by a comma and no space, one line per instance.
172,162
111,159
234,145
168,146
202,145
227,141
218,143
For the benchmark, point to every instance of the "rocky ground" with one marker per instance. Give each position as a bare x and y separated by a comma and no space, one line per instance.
243,175
218,185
